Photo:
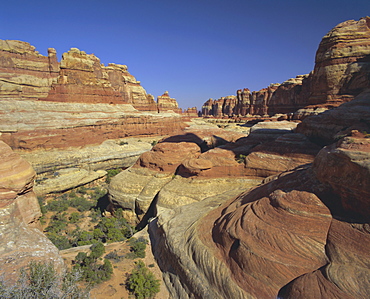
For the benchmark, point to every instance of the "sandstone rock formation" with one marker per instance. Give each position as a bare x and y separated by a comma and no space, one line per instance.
187,168
79,101
18,209
79,77
24,73
341,72
293,236
31,125
333,124
165,103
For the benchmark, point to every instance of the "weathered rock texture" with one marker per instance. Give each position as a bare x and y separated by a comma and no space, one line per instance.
79,77
47,104
24,73
187,168
342,68
294,236
157,178
31,125
327,127
19,243
165,103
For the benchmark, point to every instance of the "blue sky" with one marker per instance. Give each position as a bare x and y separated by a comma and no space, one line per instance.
195,49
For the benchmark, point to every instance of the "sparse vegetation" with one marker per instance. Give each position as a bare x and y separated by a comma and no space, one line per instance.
92,271
123,143
142,283
154,142
240,158
40,280
111,173
138,247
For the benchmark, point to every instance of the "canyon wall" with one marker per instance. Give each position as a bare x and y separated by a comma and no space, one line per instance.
46,104
341,72
78,78
74,115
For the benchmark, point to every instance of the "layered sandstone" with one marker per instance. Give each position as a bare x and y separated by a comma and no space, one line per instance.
18,208
333,124
24,73
341,72
46,104
279,239
34,125
187,168
154,176
165,103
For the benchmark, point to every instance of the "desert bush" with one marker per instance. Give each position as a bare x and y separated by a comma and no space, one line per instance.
60,241
111,173
98,193
41,201
81,204
92,271
240,158
113,255
57,224
74,217
114,228
82,190
41,281
142,282
137,249
57,205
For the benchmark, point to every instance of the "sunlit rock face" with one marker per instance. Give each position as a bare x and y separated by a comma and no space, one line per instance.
46,104
19,208
165,103
333,124
342,63
341,72
296,236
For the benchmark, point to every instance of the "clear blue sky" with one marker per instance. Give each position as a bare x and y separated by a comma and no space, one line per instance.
195,49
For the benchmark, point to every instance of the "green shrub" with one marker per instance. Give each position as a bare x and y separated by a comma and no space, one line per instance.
113,256
114,229
240,158
61,242
142,282
98,193
83,238
137,249
74,217
123,142
40,280
57,205
154,142
81,204
57,224
82,190
92,271
111,173
41,201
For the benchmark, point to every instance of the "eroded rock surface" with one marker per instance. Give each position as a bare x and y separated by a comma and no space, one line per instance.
19,242
341,72
302,234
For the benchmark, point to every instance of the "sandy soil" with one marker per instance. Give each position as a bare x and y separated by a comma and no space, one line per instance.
115,287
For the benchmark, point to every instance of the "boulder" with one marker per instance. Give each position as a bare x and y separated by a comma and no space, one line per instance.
19,208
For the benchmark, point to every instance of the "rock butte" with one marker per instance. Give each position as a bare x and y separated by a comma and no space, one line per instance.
275,209
341,72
